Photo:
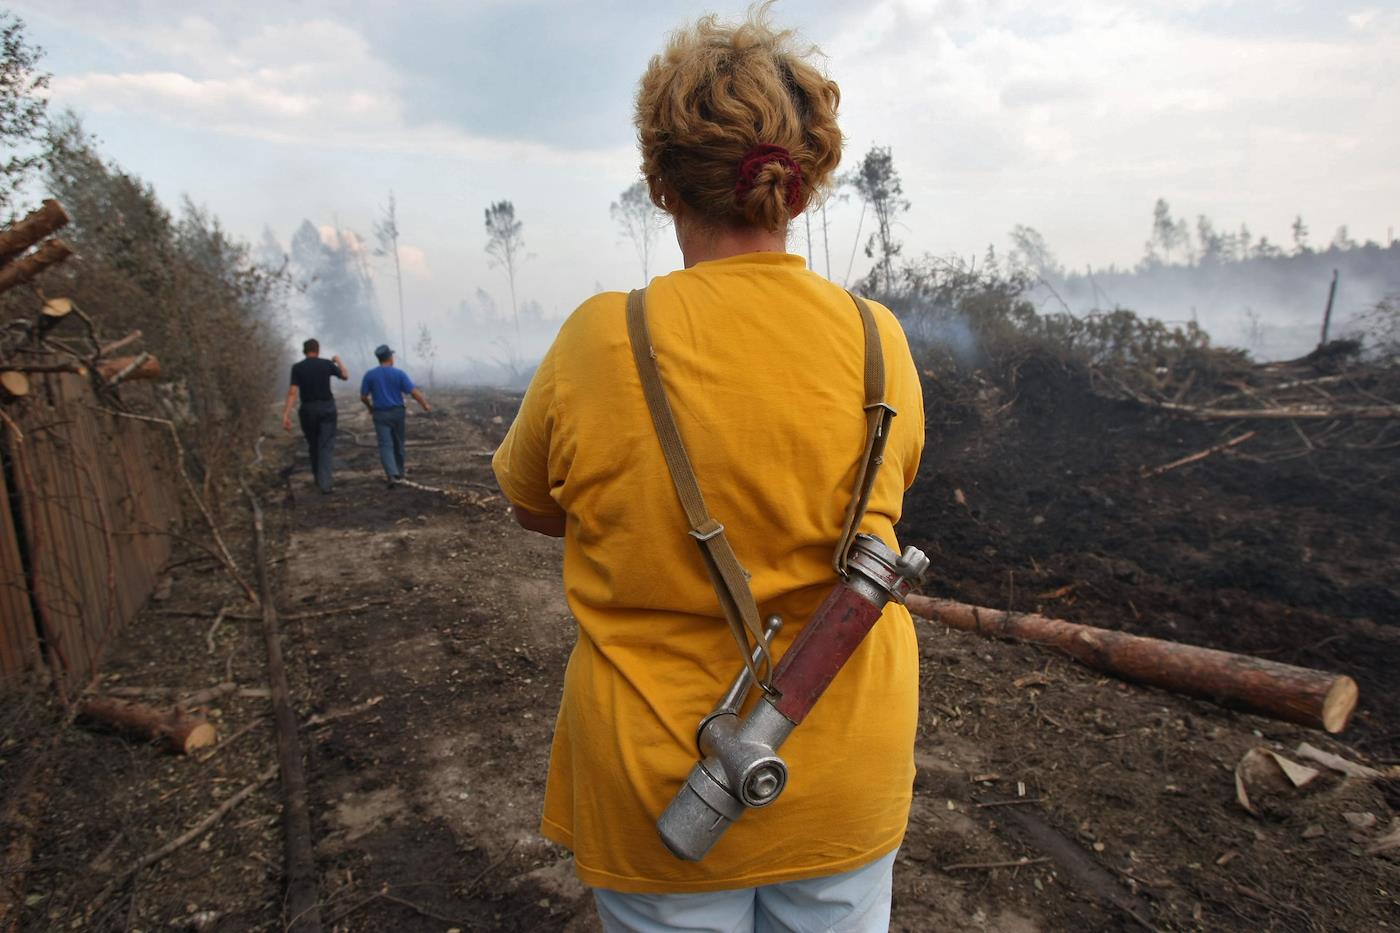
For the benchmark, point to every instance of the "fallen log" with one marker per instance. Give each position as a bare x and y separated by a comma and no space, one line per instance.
27,267
36,225
176,729
1287,413
303,912
120,369
189,701
1146,473
1280,691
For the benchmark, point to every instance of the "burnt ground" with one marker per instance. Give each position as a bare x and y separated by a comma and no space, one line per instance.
426,780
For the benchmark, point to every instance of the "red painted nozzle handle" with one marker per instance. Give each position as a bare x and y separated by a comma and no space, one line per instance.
829,639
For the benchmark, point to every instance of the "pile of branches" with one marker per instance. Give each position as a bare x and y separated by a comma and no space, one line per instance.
204,304
1332,399
973,331
35,347
29,347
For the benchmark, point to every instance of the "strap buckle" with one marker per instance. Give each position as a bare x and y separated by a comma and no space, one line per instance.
710,529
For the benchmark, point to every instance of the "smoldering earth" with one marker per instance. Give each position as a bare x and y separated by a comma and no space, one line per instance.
1048,797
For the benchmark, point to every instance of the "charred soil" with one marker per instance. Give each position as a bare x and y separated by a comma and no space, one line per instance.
426,637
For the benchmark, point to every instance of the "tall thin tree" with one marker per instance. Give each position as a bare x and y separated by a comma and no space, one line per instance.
505,244
637,218
877,182
826,242
386,232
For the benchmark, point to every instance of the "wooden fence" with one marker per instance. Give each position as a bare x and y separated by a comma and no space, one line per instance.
87,501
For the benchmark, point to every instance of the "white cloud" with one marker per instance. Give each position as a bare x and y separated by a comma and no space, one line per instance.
1093,102
1072,116
314,82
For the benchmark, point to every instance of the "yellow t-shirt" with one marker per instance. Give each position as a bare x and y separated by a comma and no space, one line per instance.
762,362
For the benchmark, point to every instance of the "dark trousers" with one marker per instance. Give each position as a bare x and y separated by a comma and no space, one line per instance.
318,424
388,429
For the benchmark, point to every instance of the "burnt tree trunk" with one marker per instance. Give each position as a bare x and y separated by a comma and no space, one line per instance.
1280,691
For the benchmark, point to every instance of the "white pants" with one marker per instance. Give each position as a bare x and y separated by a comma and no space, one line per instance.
856,901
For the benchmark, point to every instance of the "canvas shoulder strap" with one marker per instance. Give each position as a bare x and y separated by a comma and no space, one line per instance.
878,415
730,580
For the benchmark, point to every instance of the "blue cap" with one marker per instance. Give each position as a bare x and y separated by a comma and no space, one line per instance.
382,352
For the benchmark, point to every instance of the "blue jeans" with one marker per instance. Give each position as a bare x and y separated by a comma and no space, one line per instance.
388,429
856,901
318,424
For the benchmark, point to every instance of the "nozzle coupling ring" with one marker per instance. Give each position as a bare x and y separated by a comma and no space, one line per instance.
763,781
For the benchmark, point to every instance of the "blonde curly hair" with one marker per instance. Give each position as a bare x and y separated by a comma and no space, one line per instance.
711,102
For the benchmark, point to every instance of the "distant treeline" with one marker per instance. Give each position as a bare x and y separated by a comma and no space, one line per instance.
1270,305
1244,291
1240,290
1188,297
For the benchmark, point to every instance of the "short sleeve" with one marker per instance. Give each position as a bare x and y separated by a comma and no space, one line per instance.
521,463
364,382
406,385
293,379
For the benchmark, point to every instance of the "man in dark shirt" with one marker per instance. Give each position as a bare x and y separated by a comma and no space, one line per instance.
312,378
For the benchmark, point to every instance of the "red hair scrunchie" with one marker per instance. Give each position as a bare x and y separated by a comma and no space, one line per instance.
753,162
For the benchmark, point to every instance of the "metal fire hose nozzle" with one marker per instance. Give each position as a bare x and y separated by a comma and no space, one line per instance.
739,766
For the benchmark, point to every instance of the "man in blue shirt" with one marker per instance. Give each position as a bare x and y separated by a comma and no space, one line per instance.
382,390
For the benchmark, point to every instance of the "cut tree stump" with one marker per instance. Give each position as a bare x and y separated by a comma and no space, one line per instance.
1299,695
13,384
176,729
54,312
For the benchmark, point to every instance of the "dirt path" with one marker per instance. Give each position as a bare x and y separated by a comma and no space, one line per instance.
435,790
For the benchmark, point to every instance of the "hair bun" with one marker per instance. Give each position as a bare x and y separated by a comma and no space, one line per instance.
759,158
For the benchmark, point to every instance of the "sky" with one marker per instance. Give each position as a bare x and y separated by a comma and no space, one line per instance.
1069,117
